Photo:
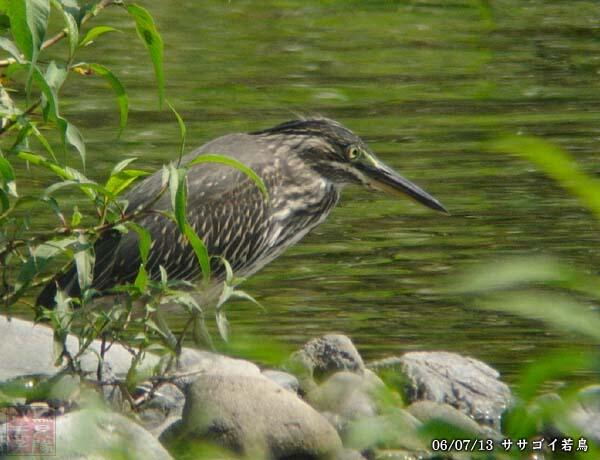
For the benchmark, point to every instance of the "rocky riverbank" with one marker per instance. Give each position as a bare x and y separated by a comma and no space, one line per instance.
323,403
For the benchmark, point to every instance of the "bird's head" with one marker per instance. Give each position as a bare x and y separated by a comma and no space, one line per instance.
340,156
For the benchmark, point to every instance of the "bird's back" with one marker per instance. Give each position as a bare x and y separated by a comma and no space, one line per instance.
226,210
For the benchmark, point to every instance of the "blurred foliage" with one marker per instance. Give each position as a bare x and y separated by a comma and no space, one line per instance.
32,121
546,290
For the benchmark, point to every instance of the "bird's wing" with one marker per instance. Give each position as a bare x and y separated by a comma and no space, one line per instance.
224,207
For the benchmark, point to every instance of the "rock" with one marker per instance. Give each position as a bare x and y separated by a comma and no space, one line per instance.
283,379
253,416
325,355
348,454
90,434
27,349
193,363
589,398
588,423
165,405
464,383
428,411
347,395
586,414
396,454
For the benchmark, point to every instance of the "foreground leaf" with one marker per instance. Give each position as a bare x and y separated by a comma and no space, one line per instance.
223,159
200,250
119,90
71,27
147,31
8,176
69,133
11,48
562,313
28,21
182,132
144,240
94,33
84,262
555,162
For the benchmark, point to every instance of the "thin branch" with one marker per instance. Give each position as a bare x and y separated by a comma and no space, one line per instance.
44,237
13,121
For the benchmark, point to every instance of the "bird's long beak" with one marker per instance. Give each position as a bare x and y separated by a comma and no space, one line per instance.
384,178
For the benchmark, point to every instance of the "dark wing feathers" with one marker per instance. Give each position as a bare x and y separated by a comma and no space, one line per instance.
224,207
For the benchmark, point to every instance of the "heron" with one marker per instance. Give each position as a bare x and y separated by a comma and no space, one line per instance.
304,164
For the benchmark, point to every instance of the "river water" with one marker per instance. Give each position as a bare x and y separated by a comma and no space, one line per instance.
426,84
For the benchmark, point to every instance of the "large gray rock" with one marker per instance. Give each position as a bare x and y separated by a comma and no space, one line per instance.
99,435
253,416
429,411
321,357
283,379
27,349
192,363
465,383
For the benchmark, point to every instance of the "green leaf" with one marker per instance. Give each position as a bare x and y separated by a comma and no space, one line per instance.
141,280
182,132
146,30
119,183
71,25
163,328
11,48
41,161
119,90
42,140
85,185
555,366
76,217
39,259
72,7
144,240
557,311
199,250
72,136
180,202
164,278
94,33
84,262
5,205
55,76
177,192
69,133
120,178
28,21
222,159
222,324
556,163
121,165
8,176
243,295
73,33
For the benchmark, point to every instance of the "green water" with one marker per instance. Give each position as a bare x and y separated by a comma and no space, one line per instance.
425,83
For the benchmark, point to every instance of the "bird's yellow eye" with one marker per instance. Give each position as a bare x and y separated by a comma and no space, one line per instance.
353,153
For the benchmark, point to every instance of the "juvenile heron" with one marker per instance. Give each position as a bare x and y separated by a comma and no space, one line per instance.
304,165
